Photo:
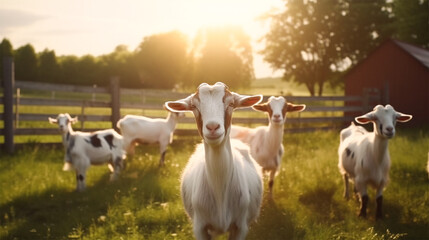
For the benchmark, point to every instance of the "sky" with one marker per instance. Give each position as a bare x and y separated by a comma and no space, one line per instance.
96,27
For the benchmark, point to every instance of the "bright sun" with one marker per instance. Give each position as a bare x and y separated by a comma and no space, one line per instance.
195,14
96,27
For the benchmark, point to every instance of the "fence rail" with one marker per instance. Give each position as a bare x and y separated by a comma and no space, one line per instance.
322,113
296,121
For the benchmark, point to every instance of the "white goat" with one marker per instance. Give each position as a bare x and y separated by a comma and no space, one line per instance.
139,129
221,186
364,156
266,142
84,149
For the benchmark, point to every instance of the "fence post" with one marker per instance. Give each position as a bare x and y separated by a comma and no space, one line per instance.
115,101
18,96
8,89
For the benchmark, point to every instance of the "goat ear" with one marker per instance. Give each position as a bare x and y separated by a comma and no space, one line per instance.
295,107
183,105
165,107
52,120
242,101
261,107
73,120
364,119
400,117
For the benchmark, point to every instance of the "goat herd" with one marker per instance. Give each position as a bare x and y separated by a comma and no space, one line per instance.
221,185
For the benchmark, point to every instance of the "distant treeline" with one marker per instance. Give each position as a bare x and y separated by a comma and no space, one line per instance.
312,42
160,61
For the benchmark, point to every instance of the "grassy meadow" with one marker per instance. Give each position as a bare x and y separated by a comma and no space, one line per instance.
38,201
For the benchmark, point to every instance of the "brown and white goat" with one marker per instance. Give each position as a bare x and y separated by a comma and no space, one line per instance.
266,142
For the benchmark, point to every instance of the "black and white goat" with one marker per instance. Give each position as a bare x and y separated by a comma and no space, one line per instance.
364,156
84,149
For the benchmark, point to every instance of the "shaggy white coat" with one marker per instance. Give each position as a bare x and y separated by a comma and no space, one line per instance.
221,185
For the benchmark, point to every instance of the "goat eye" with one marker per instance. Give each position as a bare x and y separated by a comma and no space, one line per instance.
231,104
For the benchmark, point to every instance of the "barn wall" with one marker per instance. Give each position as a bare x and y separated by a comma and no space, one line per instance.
407,80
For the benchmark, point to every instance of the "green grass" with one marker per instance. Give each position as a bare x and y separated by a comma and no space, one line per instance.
37,199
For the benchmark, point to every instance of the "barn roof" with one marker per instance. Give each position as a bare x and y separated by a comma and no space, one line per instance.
422,55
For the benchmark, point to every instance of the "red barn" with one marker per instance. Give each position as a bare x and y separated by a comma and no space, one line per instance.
400,73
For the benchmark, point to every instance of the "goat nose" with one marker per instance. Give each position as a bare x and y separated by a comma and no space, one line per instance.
276,115
389,129
212,127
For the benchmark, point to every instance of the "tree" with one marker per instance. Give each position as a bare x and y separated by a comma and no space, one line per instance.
222,54
313,40
121,63
160,59
49,69
89,71
68,66
26,63
86,70
411,21
6,50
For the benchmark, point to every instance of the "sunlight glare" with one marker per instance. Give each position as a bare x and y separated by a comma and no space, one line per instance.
207,13
96,27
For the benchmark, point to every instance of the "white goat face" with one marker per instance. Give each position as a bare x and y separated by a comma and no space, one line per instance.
277,107
63,120
212,106
384,119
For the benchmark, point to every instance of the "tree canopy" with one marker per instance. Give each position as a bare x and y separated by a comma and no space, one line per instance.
49,69
410,22
314,42
6,50
222,54
26,63
161,59
311,40
165,60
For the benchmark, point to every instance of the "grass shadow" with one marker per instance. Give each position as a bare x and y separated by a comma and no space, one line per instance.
321,201
393,223
274,222
64,213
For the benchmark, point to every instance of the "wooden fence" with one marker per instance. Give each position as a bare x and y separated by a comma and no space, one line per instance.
321,113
